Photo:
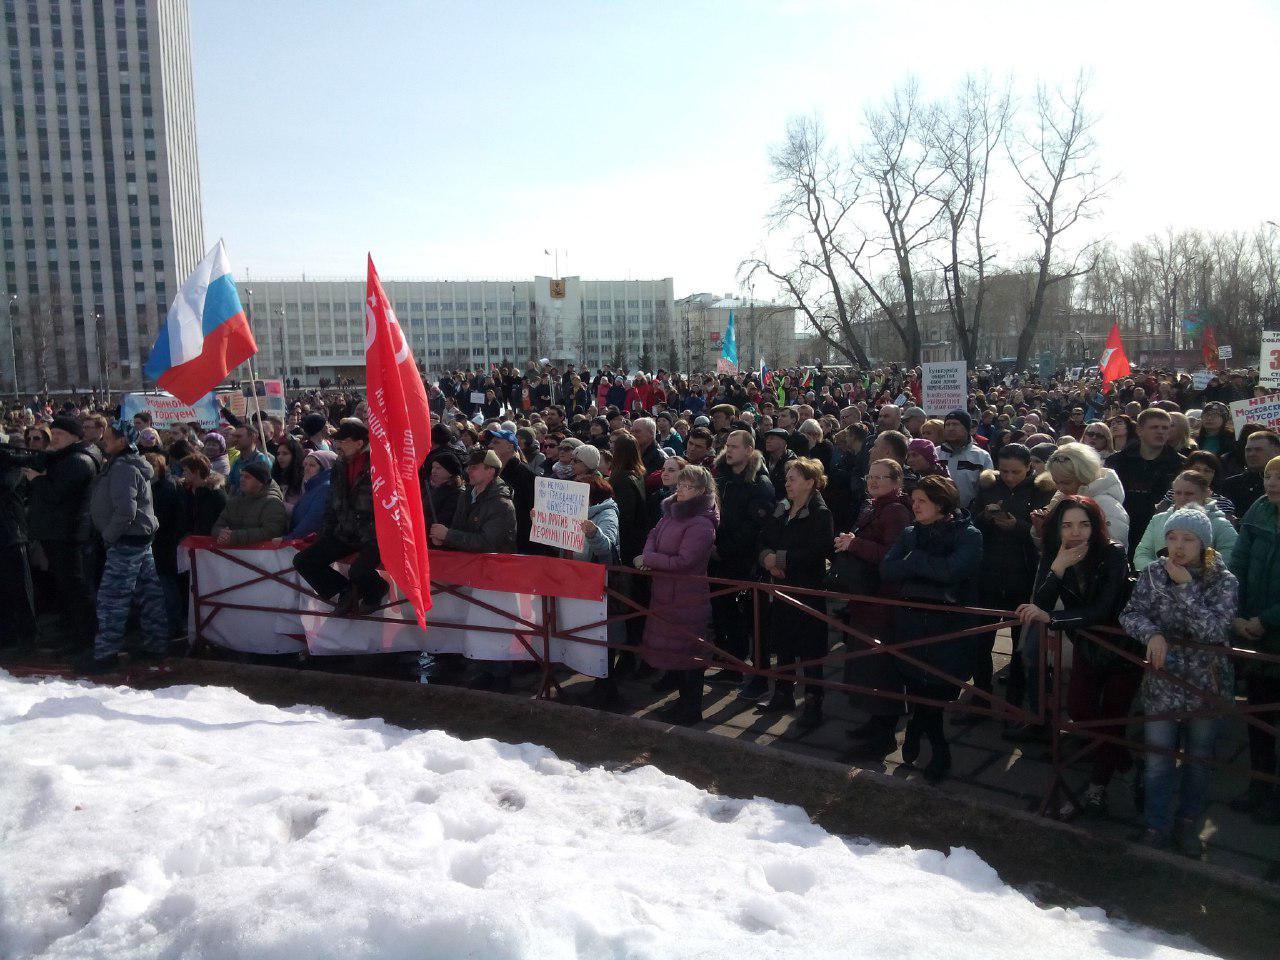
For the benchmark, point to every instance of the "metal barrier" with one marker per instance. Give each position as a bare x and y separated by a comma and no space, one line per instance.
1050,712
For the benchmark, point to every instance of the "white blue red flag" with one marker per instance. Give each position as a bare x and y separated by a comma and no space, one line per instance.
206,334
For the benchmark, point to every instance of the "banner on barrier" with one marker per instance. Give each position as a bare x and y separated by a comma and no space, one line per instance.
483,604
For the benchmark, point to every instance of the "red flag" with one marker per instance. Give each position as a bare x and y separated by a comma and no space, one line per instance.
1113,362
399,439
1209,348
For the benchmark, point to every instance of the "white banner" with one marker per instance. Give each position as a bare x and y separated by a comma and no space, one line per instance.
1264,410
290,622
1269,361
944,387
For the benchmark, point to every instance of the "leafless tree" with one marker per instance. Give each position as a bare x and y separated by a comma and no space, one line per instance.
817,195
1056,161
965,135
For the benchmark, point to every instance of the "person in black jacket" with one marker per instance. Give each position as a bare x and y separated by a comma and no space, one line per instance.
443,490
794,547
746,502
516,475
1087,573
1002,511
348,528
205,494
1146,470
17,595
168,502
58,517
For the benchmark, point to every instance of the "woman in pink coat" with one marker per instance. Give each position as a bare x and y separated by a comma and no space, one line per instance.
680,607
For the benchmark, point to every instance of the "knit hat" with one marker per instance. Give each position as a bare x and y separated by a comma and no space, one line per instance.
258,470
449,462
326,458
217,441
962,416
68,425
126,430
589,455
1194,520
313,423
149,437
925,448
1043,451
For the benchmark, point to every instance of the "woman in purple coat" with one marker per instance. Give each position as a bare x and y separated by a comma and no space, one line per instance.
680,607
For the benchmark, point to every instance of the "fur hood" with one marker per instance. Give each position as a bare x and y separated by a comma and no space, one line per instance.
1044,481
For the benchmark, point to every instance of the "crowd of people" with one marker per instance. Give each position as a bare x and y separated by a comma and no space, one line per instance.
1147,510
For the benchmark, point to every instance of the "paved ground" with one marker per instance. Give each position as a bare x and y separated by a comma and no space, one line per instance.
984,764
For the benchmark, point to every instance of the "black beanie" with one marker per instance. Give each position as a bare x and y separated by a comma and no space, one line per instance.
68,425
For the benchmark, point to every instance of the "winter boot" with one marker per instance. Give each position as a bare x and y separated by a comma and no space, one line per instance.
811,715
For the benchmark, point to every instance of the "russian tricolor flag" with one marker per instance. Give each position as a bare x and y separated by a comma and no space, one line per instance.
206,334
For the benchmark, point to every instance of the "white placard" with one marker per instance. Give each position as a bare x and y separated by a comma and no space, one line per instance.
1269,361
1200,379
944,387
1224,352
558,507
1264,410
477,398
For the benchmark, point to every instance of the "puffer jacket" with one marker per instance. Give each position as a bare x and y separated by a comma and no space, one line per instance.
487,525
58,508
1201,610
1255,560
120,500
1152,542
1108,493
603,546
254,517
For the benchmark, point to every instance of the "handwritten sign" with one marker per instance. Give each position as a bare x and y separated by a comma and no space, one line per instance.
1269,361
1200,379
1264,410
167,410
944,387
477,398
558,507
1224,352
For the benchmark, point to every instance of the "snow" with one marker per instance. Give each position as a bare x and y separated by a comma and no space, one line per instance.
194,822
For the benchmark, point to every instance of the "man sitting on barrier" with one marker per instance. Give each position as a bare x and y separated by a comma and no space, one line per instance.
255,513
348,528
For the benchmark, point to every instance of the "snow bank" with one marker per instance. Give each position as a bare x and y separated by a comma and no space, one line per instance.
193,822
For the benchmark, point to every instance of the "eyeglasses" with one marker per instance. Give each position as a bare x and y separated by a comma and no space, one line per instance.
688,485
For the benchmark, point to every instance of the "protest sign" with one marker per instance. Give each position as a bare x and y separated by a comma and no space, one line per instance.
167,410
1224,352
944,387
558,506
477,398
1200,379
1264,410
1269,361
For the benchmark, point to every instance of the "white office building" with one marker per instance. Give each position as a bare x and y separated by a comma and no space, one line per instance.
315,328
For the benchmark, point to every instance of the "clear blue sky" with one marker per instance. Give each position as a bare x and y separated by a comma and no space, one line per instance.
458,140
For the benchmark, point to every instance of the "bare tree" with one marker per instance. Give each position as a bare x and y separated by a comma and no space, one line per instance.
818,194
964,137
1055,160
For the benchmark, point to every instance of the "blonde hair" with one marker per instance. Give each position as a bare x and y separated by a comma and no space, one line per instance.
702,477
1078,462
810,469
1273,466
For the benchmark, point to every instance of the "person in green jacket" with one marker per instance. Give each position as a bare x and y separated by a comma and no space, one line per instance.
255,513
1189,488
1256,563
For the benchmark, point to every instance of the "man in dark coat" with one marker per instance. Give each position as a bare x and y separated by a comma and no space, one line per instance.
1146,470
348,528
746,502
519,478
17,597
1245,488
58,517
777,457
1002,512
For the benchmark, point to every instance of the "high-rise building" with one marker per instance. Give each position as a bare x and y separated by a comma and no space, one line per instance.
99,186
315,328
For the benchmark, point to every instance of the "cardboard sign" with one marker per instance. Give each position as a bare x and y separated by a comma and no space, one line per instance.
558,507
1264,410
1269,361
167,410
477,398
944,387
1224,352
1200,379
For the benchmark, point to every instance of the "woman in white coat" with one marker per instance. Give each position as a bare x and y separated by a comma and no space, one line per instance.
1077,469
